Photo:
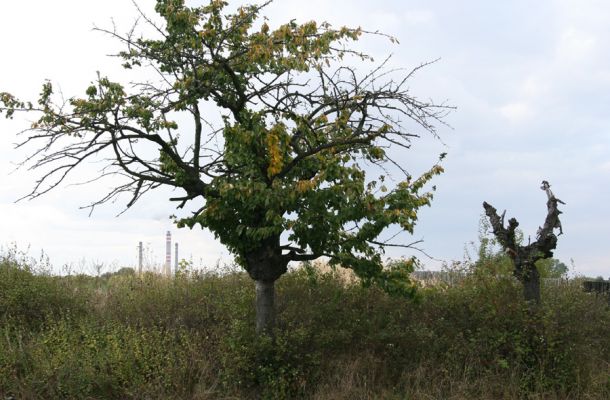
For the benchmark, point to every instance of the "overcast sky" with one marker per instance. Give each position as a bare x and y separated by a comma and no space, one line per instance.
531,81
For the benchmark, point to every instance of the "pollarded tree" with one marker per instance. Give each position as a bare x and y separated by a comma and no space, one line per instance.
526,258
283,178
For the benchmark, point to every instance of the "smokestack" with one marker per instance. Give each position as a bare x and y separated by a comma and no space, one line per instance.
168,253
176,257
140,258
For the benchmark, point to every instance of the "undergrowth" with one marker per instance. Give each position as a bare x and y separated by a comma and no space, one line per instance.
148,337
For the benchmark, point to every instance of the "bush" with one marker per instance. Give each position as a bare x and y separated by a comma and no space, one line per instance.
30,299
282,367
82,359
192,337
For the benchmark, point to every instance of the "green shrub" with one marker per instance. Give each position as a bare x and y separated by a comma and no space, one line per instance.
192,337
82,359
29,298
282,367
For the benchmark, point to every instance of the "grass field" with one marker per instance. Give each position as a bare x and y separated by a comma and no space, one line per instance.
148,337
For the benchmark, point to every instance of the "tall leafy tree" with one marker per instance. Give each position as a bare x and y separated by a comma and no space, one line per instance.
283,178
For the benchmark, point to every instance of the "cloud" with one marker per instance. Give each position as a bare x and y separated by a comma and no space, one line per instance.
575,46
517,112
605,167
418,17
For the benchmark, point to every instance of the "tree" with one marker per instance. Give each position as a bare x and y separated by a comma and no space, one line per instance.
552,268
493,259
284,176
525,257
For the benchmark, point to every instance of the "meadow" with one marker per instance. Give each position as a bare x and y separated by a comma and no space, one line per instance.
124,336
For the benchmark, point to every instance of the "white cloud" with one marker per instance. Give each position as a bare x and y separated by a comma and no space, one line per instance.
575,46
517,112
534,86
605,167
418,17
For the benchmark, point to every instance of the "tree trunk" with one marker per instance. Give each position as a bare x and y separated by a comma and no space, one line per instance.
265,309
531,285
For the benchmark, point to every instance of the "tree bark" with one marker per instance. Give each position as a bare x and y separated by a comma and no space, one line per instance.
531,285
265,309
265,265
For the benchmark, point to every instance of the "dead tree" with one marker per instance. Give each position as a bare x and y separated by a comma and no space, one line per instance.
524,257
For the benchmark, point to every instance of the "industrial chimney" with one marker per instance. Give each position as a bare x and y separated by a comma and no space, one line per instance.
140,258
176,258
168,253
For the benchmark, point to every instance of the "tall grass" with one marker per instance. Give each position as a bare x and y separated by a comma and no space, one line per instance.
149,337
